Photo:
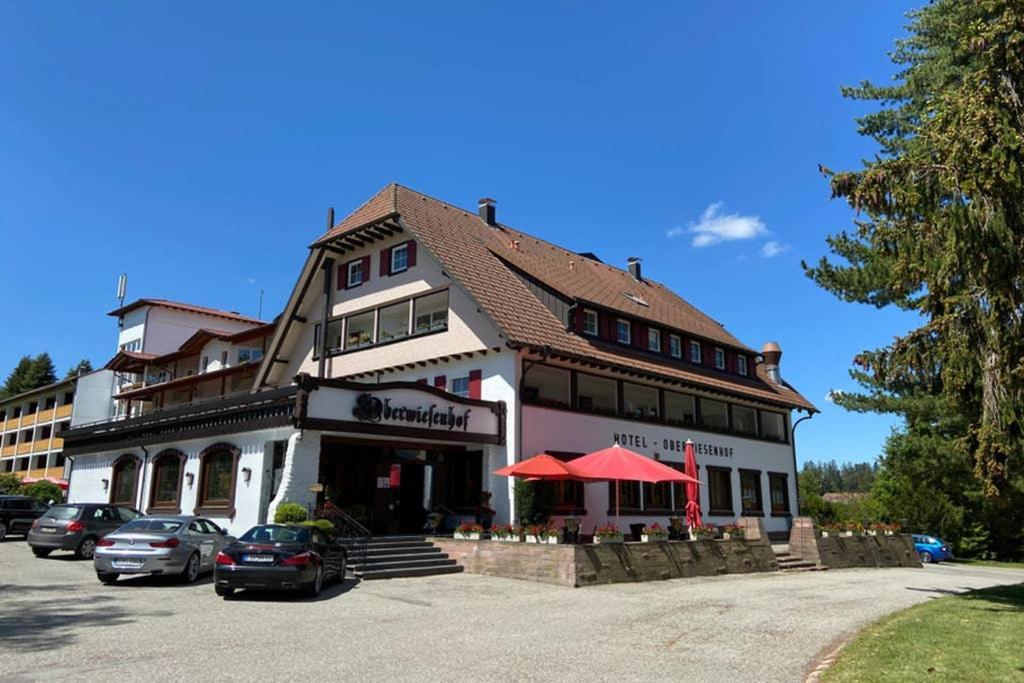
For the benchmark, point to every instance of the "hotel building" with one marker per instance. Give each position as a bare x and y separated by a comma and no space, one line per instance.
423,347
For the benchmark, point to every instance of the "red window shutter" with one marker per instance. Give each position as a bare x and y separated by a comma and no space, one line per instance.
604,326
639,333
475,380
709,355
730,361
411,253
385,262
577,323
421,381
440,382
366,269
342,282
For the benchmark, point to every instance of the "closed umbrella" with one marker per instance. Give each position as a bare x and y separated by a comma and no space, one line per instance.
690,469
621,464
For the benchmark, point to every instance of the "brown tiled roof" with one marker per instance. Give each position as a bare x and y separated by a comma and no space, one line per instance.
176,305
477,256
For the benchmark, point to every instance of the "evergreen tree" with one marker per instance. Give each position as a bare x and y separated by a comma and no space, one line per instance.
30,373
18,378
81,368
940,232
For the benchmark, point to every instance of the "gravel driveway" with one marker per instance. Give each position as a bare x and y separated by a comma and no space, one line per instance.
57,621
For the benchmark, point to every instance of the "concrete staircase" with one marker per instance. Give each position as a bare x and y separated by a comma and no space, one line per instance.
792,563
392,557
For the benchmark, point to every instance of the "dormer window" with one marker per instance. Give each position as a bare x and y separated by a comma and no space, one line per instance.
622,331
399,258
720,359
654,340
249,355
695,352
355,273
589,322
675,346
741,365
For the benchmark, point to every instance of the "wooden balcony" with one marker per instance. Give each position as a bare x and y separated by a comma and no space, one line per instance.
12,423
58,444
7,451
64,410
25,448
46,415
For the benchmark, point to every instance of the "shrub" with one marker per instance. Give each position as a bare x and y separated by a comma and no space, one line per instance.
44,492
10,484
608,530
290,513
324,525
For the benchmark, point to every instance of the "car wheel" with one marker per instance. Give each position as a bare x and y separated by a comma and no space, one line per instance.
3,531
86,548
926,557
224,591
107,578
191,572
41,552
317,585
342,569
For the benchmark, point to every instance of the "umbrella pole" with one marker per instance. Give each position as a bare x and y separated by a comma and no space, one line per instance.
616,501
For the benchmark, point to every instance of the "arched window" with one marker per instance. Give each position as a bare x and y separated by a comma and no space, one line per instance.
124,483
165,483
218,473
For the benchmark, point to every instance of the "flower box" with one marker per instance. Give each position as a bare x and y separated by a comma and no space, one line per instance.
732,535
648,538
609,539
506,539
467,536
890,533
544,540
846,534
871,532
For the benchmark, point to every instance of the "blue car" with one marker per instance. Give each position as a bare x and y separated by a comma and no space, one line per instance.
931,549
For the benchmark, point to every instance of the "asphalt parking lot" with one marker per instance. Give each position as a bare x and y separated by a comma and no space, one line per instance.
57,621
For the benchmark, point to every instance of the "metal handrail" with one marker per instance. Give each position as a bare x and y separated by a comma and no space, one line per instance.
352,535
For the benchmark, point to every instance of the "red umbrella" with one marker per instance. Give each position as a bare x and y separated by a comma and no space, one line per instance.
690,468
621,464
541,466
59,482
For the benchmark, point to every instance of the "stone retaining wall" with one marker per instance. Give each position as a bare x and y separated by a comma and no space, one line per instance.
840,552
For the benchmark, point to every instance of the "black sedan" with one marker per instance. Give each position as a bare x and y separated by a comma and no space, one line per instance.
279,557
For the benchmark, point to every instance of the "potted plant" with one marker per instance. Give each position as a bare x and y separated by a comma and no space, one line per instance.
892,528
702,531
735,531
654,533
608,533
853,529
506,533
542,533
485,513
831,529
469,531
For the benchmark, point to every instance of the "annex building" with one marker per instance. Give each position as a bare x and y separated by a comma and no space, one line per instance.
423,347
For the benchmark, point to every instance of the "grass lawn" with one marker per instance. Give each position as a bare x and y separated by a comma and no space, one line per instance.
990,563
976,636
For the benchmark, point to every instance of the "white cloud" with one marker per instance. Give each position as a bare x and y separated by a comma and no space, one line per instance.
251,280
773,248
714,227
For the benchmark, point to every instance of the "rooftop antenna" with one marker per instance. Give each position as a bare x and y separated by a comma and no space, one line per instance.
259,311
122,289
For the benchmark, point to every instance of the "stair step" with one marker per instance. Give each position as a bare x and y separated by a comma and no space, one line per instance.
405,563
812,568
400,544
377,540
425,549
397,556
371,574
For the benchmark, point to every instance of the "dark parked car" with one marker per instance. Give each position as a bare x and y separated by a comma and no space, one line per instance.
279,557
17,514
76,527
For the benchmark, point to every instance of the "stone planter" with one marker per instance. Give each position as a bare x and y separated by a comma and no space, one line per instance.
543,540
607,540
645,538
475,536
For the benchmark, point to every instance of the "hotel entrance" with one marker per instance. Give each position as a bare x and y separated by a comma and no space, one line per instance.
390,488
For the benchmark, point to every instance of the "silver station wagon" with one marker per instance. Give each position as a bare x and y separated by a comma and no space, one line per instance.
178,545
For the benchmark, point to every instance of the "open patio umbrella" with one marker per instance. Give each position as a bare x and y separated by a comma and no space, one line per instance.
621,464
59,482
540,466
690,469
29,480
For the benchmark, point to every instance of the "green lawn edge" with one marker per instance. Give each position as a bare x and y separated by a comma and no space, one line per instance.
973,636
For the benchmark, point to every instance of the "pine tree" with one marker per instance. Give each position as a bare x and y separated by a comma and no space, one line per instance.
17,378
83,366
42,373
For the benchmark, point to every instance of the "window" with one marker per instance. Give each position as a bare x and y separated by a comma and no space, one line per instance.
567,497
394,321
58,460
399,258
359,330
124,480
69,397
460,386
165,492
675,346
132,346
217,465
205,364
223,359
665,497
622,331
3,414
334,339
680,408
51,402
750,493
744,420
778,485
40,462
547,385
654,340
33,406
720,491
590,322
596,394
64,426
720,359
773,426
741,365
127,514
640,401
45,431
17,412
8,465
714,414
629,495
250,355
355,273
695,352
431,312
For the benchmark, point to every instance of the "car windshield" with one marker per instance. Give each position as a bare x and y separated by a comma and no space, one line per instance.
275,534
151,525
62,512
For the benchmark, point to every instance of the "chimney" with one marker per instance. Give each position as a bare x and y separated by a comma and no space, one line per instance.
771,354
330,217
633,263
486,208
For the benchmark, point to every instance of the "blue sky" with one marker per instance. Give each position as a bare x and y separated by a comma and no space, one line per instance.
197,146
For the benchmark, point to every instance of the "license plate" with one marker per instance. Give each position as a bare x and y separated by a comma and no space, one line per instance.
48,530
258,558
128,564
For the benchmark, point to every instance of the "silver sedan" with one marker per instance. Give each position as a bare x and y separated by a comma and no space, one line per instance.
179,545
